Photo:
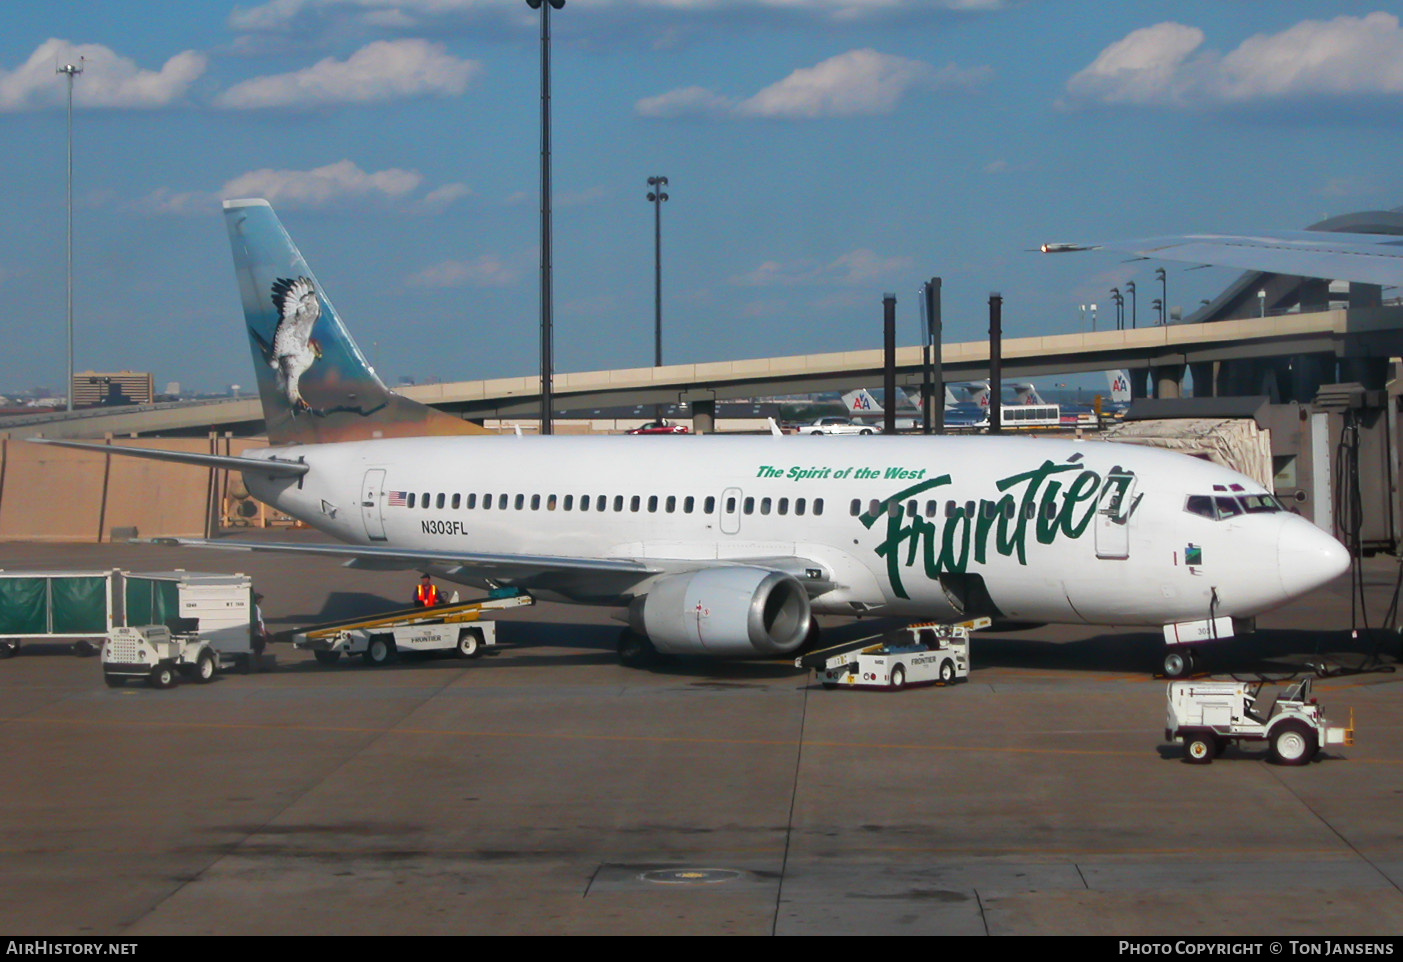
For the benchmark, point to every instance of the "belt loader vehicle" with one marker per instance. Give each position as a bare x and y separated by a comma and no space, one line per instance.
1206,715
377,639
921,654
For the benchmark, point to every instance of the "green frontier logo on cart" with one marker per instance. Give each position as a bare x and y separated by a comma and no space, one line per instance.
1051,501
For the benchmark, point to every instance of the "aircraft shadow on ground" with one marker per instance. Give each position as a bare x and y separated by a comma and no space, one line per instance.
1270,652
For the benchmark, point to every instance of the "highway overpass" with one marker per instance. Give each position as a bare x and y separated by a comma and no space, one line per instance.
1298,351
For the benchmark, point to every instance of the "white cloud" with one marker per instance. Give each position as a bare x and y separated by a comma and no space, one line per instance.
343,182
1164,66
857,83
323,185
857,267
107,80
485,271
379,72
283,15
684,102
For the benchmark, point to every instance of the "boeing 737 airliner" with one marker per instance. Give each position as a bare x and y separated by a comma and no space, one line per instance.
727,546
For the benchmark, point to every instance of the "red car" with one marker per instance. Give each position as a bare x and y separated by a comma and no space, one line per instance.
660,427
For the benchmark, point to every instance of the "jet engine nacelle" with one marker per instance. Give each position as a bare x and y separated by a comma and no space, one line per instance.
734,612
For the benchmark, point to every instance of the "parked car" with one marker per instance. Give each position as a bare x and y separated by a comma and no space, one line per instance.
660,427
836,425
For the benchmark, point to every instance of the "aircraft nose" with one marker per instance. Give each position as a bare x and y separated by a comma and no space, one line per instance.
1308,557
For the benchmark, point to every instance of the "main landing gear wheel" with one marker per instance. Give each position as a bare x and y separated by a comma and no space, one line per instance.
635,650
1292,743
1179,663
1201,749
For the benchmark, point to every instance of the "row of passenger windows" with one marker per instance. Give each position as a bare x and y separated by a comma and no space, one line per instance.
672,504
669,504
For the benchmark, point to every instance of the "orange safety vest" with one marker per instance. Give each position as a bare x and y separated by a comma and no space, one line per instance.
427,595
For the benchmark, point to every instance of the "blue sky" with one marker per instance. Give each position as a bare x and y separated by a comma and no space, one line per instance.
819,153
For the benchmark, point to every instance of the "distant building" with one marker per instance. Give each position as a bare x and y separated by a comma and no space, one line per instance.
94,388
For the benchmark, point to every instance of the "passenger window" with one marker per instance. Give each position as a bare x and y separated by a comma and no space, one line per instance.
818,506
520,501
457,499
749,505
689,504
550,502
584,502
652,504
634,502
438,502
670,505
501,502
764,505
618,502
710,505
799,505
601,502
411,499
783,506
472,501
569,502
856,508
424,502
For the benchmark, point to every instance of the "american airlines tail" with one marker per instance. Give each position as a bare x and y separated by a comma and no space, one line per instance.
1120,386
314,382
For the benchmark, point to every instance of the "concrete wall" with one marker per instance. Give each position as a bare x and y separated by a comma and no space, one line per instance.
60,494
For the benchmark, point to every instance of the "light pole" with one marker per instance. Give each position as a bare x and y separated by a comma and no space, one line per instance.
656,196
72,70
547,334
1130,289
1120,308
1163,294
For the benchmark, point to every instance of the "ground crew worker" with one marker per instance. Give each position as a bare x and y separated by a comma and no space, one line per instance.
426,595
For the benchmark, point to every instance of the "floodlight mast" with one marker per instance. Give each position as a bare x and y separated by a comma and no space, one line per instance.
72,70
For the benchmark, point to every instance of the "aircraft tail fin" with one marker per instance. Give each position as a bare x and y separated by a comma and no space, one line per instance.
1120,386
314,382
861,403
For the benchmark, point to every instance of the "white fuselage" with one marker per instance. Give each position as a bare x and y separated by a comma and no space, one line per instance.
1055,531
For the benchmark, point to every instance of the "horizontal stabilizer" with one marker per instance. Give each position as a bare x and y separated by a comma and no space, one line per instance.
272,467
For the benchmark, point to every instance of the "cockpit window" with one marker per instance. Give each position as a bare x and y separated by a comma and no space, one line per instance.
1260,503
1202,505
1219,506
1227,507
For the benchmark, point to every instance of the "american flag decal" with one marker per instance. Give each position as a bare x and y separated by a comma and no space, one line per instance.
397,499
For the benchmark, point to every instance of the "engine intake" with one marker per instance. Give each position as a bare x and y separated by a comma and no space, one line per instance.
734,612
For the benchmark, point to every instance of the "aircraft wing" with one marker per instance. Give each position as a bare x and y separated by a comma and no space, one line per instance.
598,580
1368,258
